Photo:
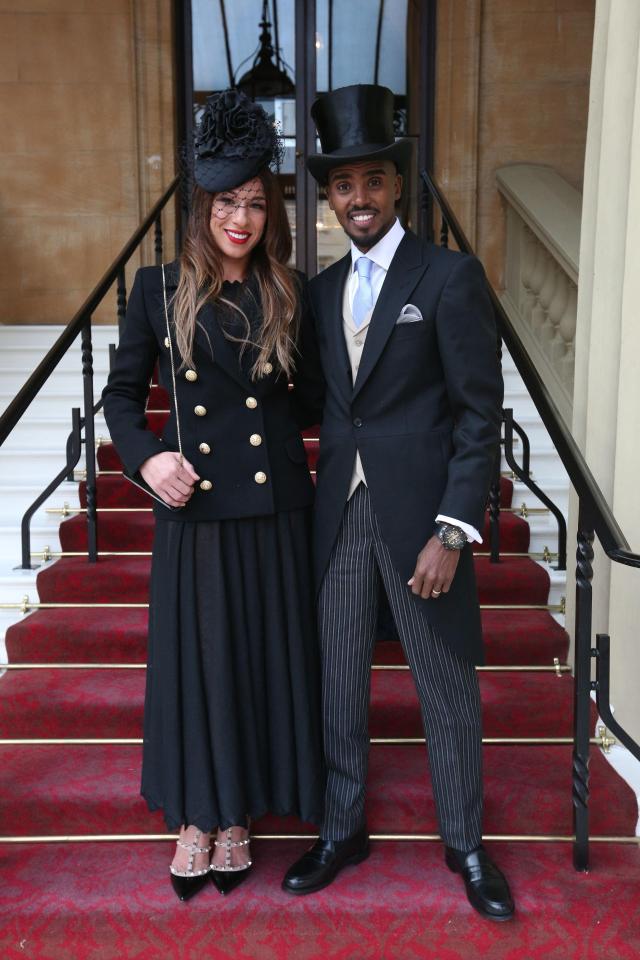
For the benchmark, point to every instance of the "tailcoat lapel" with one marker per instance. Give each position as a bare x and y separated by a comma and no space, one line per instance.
340,368
405,271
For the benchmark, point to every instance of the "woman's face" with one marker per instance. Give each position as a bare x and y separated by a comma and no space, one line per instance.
238,219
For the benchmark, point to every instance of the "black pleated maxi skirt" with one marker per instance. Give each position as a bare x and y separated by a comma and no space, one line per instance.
232,708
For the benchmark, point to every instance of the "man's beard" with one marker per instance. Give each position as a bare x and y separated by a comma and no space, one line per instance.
366,243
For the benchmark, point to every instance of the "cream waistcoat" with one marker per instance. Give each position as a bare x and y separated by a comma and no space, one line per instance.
355,338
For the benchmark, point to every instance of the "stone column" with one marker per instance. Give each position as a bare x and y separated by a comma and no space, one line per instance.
607,386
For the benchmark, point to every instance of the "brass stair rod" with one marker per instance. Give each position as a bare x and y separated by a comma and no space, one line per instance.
65,511
26,606
523,668
378,837
57,554
374,741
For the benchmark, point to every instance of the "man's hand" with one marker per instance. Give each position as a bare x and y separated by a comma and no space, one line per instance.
435,570
171,481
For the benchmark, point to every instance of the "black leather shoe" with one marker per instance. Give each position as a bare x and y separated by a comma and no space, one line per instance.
487,888
320,865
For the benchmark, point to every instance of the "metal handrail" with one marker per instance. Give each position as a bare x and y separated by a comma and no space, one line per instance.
606,526
595,518
81,323
47,365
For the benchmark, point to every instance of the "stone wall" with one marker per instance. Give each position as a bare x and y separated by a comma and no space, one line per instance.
512,86
86,112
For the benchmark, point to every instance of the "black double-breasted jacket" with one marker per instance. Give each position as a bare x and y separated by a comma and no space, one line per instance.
242,436
424,414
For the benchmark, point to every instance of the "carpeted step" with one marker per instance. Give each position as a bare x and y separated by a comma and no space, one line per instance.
79,636
120,636
119,532
109,703
110,580
114,492
515,534
95,789
114,901
516,580
134,530
523,636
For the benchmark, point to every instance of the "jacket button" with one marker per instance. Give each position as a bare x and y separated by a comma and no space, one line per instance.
357,422
260,477
255,439
251,402
200,411
191,376
267,368
204,448
206,485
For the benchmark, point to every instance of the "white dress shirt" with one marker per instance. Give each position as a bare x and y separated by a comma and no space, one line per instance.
381,255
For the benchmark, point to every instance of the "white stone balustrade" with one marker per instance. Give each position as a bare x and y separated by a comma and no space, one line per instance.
541,271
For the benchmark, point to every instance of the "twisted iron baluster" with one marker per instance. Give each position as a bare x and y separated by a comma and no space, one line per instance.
121,298
90,443
158,240
582,693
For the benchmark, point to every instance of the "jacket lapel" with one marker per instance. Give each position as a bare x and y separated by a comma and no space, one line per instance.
209,336
403,275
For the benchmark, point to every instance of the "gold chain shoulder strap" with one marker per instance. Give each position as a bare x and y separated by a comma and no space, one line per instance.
173,369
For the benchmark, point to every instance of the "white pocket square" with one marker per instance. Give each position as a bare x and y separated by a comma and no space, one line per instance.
409,314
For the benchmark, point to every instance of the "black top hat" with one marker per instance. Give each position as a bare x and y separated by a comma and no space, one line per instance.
234,140
356,123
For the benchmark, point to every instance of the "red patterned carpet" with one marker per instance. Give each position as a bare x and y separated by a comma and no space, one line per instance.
108,900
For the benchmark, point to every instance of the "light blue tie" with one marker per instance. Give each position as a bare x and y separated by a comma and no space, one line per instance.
363,300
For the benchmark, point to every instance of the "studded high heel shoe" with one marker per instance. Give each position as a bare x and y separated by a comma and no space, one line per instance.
187,883
227,877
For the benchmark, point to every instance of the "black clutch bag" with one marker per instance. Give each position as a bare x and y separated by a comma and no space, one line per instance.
136,478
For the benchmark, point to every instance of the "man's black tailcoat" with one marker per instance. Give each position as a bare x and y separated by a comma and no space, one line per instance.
424,414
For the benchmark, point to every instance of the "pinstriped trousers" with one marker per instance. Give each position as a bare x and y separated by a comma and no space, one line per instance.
447,686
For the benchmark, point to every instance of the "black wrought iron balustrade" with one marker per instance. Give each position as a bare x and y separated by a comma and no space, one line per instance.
81,324
595,518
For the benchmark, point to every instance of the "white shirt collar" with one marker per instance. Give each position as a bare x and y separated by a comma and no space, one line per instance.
384,251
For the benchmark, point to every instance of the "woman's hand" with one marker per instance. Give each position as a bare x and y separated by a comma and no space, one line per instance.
170,480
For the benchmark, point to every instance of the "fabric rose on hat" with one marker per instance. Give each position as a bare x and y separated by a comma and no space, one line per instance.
234,126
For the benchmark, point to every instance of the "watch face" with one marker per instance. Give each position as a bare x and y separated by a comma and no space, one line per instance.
452,537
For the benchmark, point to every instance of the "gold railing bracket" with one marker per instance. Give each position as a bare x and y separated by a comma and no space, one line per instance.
24,606
563,606
46,554
524,512
556,663
605,742
546,554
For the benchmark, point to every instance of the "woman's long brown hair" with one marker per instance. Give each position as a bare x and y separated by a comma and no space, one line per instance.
201,276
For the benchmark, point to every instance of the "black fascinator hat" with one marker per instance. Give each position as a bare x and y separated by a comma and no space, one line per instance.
234,140
356,123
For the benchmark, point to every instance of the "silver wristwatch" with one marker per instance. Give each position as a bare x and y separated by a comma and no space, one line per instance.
450,536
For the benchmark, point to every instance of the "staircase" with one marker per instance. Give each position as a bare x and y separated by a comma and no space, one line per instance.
110,897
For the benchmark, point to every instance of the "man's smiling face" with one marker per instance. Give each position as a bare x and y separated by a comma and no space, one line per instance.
363,196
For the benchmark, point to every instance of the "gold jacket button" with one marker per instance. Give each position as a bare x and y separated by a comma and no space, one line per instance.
167,342
205,485
267,368
251,402
255,439
260,477
191,376
200,411
204,448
